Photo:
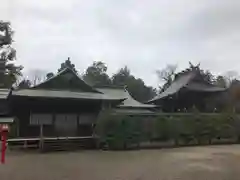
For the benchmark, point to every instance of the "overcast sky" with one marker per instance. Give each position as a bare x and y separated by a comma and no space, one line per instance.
145,35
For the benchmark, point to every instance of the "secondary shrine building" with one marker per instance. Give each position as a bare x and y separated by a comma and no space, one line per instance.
190,89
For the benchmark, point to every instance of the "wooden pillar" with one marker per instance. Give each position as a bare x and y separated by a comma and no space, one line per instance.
53,124
41,140
78,120
17,127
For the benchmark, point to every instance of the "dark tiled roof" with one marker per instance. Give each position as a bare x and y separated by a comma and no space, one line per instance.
175,86
68,75
63,94
184,80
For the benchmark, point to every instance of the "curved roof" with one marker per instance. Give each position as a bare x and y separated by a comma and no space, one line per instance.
185,80
174,87
64,94
122,93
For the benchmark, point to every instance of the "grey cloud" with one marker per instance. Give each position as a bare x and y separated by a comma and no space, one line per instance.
145,35
218,19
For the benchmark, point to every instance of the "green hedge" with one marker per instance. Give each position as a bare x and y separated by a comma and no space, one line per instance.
123,132
118,132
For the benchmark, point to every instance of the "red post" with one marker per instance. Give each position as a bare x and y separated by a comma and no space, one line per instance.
3,133
4,146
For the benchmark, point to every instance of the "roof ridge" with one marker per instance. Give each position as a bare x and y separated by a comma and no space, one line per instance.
61,72
184,72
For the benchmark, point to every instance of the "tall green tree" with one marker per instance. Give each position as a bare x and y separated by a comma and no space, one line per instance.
67,64
135,86
6,33
122,76
49,75
9,72
231,76
207,76
96,74
221,81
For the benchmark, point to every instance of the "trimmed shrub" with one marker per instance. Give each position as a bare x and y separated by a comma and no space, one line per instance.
119,132
124,132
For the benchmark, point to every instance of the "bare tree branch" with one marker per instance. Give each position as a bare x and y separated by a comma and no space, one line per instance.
166,76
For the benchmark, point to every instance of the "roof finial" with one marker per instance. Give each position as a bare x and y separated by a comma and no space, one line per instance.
192,67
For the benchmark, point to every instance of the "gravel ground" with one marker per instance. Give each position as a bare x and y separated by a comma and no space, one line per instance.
198,163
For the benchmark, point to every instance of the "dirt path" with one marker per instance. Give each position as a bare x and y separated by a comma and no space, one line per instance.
198,163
